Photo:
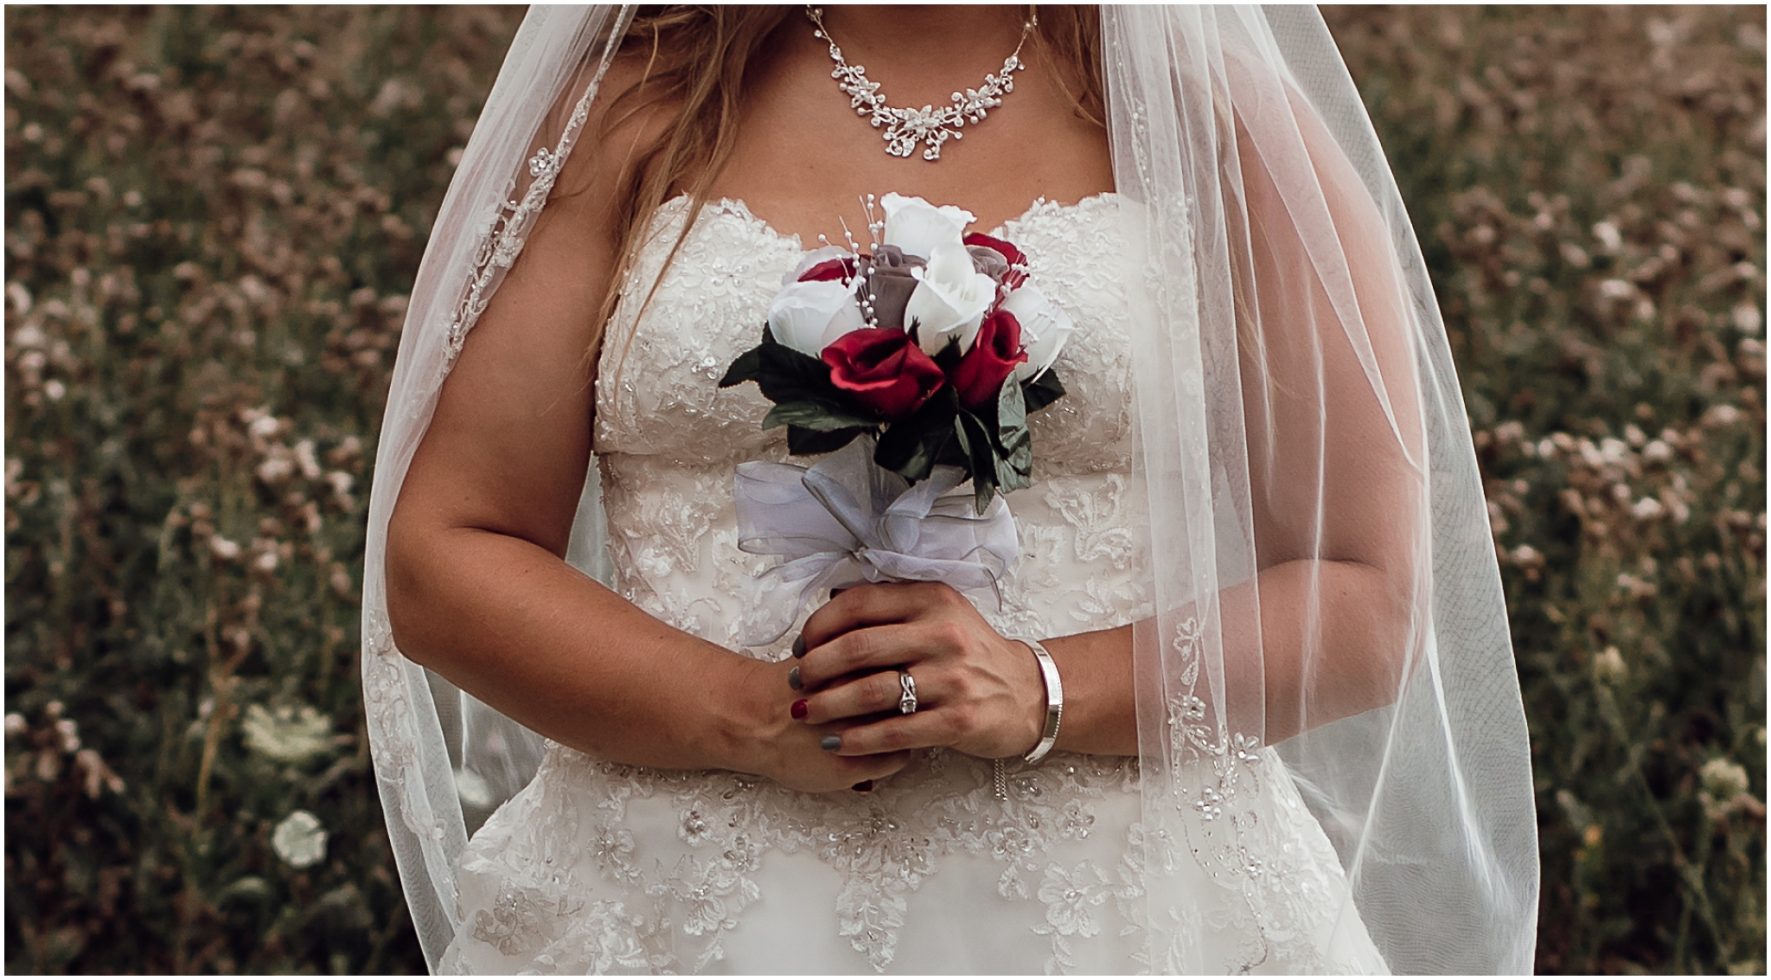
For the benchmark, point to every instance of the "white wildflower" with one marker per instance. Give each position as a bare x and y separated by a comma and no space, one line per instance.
1721,415
299,840
291,735
275,470
70,734
1723,778
304,457
1746,318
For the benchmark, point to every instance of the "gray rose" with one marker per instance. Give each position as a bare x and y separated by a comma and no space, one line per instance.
988,261
887,275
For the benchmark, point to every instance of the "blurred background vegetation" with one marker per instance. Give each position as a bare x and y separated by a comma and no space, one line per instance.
212,219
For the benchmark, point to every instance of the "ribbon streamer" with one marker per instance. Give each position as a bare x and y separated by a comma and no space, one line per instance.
848,521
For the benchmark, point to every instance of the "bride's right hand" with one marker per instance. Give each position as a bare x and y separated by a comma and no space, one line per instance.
770,742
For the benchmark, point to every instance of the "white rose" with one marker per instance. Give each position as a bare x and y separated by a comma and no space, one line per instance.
949,301
812,258
917,227
1044,329
807,316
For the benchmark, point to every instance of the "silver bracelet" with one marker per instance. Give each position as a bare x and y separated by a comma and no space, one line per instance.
1054,715
1054,700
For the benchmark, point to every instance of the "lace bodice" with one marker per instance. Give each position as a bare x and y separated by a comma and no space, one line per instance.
610,868
667,445
713,304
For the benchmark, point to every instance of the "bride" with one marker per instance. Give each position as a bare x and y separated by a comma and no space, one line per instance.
1246,701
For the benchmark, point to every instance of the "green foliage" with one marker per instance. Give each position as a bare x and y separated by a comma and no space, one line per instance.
214,215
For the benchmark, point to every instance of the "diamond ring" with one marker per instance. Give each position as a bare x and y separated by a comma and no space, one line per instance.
906,700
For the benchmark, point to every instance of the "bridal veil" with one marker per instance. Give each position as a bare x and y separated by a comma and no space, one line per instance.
1324,573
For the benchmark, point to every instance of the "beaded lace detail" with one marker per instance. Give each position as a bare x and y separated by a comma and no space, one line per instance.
610,868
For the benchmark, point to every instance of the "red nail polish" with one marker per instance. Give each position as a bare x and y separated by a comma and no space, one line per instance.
799,709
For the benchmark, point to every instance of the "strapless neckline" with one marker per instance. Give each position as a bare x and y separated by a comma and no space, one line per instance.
710,300
737,207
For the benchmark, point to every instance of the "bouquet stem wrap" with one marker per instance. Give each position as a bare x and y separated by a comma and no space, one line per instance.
847,521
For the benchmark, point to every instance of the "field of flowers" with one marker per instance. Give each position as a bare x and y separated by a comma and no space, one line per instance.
212,217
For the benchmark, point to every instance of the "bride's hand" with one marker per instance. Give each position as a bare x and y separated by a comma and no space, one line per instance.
977,692
772,742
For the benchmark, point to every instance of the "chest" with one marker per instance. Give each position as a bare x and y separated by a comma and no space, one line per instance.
657,374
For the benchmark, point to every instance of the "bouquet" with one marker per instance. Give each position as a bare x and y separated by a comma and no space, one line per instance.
912,368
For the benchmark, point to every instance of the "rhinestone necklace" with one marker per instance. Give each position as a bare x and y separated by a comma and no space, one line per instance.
906,127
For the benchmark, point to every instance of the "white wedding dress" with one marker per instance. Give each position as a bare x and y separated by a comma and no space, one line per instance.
598,867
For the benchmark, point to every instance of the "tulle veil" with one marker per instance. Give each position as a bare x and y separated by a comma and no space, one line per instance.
1321,551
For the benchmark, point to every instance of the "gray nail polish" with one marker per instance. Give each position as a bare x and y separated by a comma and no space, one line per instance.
793,680
799,645
831,743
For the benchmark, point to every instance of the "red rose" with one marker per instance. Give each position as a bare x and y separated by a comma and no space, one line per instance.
1017,260
828,269
884,369
979,375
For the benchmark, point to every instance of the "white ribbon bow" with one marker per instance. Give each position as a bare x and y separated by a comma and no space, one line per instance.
846,521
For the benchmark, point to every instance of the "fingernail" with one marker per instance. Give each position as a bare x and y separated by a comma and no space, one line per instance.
864,786
798,710
793,680
799,645
831,743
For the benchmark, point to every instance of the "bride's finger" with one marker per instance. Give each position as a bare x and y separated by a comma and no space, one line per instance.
867,694
917,730
866,649
873,766
866,605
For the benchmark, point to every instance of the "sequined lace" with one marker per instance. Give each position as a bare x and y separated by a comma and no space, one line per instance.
611,868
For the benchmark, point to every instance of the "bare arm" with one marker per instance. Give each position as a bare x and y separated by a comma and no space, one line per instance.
1100,715
478,588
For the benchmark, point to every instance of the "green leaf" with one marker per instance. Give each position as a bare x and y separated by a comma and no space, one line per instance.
818,414
745,368
975,436
1008,477
1014,443
749,365
1042,391
1011,410
783,374
910,447
786,375
810,442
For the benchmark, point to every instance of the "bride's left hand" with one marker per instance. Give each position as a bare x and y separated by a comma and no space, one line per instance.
977,691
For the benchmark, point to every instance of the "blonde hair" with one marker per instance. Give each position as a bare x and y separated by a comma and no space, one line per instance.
698,61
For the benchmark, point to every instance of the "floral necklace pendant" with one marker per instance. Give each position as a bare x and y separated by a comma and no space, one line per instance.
906,127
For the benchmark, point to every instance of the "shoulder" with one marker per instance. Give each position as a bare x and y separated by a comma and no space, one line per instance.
627,115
